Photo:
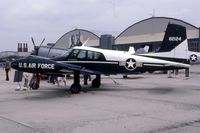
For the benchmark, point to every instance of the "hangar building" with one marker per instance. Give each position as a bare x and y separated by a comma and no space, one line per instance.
72,38
148,32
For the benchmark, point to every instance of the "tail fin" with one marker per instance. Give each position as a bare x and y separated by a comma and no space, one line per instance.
174,46
174,35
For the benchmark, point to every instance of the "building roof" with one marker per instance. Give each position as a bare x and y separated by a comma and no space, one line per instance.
67,40
157,25
152,29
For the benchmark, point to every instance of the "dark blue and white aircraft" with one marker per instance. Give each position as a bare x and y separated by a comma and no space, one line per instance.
107,62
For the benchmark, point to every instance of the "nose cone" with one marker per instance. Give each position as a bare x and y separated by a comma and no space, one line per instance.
14,64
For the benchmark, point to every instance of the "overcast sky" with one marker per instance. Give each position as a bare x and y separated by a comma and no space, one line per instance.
22,19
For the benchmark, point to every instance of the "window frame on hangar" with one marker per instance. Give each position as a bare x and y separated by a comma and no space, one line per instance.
150,32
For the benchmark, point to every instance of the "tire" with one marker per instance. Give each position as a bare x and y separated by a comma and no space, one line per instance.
95,84
125,76
34,85
75,88
150,71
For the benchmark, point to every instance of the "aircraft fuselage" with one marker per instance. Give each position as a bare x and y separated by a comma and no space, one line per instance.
97,60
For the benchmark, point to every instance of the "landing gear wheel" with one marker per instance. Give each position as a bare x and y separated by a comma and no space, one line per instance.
75,88
150,71
95,83
34,84
125,76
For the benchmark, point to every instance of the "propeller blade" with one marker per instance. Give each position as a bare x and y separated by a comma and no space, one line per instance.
42,42
33,41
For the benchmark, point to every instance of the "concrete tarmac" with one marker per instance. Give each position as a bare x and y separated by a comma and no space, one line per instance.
146,103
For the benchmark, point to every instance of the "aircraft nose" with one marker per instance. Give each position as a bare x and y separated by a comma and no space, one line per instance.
14,64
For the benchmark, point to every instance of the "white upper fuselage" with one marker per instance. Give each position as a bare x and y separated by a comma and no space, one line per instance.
122,56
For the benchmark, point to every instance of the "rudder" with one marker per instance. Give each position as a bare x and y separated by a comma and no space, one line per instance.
174,35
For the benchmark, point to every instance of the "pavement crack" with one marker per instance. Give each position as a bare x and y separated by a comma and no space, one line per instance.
21,124
175,126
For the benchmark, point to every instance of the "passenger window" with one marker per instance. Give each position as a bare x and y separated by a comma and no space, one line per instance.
90,55
77,54
82,55
99,56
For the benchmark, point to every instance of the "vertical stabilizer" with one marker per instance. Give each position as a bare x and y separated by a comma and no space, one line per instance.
174,35
174,46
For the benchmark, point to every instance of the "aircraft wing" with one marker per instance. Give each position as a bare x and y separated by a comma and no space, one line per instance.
42,65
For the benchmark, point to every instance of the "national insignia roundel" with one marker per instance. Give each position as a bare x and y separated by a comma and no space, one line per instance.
130,64
193,58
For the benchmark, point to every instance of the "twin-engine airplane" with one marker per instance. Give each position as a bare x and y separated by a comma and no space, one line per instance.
98,61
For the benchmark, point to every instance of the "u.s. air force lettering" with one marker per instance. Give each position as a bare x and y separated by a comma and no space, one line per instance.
36,65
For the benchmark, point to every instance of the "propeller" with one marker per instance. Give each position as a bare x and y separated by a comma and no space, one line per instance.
36,48
35,52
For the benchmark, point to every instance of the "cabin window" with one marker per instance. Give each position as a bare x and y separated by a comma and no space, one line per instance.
86,55
82,55
99,56
90,55
95,56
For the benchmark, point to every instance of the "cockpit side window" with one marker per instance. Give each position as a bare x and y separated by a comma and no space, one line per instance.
73,54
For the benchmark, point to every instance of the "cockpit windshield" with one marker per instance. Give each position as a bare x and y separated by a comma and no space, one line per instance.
67,53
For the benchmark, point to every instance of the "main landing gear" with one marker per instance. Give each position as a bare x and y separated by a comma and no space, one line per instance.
96,82
35,81
76,87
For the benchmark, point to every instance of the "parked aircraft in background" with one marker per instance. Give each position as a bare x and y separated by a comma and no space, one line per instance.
98,61
194,57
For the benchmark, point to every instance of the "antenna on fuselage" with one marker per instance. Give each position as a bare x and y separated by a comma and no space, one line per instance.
131,50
